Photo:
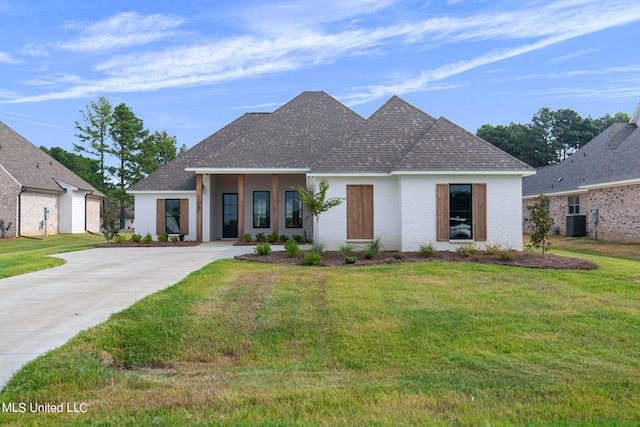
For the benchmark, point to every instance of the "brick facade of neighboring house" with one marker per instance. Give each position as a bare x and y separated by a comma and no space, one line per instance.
605,175
32,181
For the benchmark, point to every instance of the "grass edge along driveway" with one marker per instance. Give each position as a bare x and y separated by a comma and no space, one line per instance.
416,344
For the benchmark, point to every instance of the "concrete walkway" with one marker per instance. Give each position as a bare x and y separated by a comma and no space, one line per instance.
43,310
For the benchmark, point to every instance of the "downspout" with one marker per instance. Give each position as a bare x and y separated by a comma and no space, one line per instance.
86,213
19,224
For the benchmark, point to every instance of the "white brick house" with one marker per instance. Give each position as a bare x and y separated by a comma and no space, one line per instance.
407,177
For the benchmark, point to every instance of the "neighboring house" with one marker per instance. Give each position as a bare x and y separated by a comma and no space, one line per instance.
602,178
407,177
31,182
113,207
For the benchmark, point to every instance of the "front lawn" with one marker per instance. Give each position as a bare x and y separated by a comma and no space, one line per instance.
239,343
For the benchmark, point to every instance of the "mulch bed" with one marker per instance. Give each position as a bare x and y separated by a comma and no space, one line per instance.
522,259
154,244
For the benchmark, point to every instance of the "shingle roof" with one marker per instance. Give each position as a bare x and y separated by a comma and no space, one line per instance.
293,136
381,142
32,167
612,156
173,177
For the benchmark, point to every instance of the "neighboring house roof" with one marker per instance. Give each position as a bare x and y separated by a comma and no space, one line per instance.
611,157
33,168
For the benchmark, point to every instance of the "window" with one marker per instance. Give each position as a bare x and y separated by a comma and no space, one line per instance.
359,212
461,212
574,205
293,209
261,209
172,216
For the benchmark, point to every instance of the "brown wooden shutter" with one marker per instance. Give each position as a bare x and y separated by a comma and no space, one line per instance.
480,212
184,216
442,212
359,211
160,216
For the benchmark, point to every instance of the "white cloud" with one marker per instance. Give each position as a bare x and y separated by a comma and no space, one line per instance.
122,30
5,58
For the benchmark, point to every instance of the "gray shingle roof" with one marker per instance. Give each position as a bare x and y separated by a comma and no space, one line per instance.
33,168
612,156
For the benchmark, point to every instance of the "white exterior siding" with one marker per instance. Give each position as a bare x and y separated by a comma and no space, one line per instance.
145,209
72,209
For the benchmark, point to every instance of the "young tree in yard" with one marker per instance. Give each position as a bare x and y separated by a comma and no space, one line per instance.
315,205
127,133
157,150
541,222
94,134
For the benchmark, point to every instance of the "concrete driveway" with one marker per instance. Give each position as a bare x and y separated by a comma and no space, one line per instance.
41,311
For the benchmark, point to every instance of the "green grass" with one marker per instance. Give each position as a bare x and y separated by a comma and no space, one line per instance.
24,255
239,343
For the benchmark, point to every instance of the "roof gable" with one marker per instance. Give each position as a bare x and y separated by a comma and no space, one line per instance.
33,168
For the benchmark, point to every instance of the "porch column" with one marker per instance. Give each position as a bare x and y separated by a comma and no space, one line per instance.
199,207
240,206
274,202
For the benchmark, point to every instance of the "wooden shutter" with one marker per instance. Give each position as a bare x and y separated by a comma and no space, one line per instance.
184,216
359,211
442,212
160,216
480,212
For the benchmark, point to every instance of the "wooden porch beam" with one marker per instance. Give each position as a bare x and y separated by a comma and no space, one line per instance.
240,206
199,207
274,202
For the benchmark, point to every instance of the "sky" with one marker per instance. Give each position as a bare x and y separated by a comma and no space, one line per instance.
190,67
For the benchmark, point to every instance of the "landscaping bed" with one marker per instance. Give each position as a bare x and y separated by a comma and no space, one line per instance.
520,259
155,243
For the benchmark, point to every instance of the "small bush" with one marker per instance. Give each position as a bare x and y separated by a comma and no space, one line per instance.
311,258
493,248
260,237
467,250
246,238
175,239
345,250
368,255
298,238
427,251
292,248
163,237
4,229
273,237
506,255
350,260
136,237
262,249
398,255
374,247
181,237
283,238
109,227
147,239
120,239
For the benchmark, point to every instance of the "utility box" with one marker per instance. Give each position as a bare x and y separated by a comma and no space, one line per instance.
594,216
576,225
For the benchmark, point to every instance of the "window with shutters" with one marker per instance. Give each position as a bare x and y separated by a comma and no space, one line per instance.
172,216
359,212
461,212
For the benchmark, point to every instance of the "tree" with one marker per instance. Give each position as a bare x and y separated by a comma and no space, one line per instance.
541,222
315,204
521,141
127,134
157,150
86,168
94,133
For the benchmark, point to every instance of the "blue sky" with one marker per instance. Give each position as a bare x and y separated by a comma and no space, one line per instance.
190,67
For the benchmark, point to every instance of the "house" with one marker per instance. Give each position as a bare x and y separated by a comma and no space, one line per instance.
109,204
407,178
40,196
600,181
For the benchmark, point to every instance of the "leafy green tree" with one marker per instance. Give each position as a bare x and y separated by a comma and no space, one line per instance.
521,141
157,150
315,204
127,134
85,167
94,134
109,227
541,222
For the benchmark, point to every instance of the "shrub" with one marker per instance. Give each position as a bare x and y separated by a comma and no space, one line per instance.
350,260
298,238
260,237
120,239
292,248
398,255
493,248
181,237
427,251
283,238
3,228
506,256
467,250
368,255
541,223
136,237
175,239
345,250
246,238
147,239
163,237
374,247
109,227
262,249
273,237
311,258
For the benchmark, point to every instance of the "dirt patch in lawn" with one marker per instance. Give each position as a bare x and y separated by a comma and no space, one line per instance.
520,259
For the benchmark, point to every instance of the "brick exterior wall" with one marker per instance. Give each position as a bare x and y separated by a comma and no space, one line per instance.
9,191
618,209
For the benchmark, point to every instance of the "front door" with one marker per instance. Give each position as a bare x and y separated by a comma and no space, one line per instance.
230,215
